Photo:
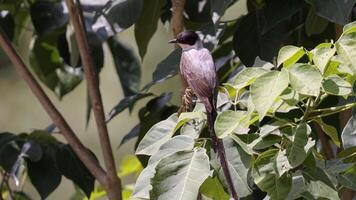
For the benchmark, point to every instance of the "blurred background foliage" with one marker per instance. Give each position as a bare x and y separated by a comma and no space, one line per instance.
128,40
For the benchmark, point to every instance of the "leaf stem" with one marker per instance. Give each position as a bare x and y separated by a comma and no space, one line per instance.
114,184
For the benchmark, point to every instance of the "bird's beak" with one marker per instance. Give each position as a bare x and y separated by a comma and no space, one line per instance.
172,41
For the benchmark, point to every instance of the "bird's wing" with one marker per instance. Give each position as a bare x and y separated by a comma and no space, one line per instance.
197,67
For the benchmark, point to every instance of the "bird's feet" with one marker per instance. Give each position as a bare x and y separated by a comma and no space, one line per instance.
186,104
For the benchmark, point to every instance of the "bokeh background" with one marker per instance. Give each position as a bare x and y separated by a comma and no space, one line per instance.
20,111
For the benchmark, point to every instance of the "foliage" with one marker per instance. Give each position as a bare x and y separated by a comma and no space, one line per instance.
272,97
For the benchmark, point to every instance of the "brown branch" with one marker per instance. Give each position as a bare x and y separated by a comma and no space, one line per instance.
114,184
84,155
177,16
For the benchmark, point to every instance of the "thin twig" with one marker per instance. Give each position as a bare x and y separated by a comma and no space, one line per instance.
82,152
114,184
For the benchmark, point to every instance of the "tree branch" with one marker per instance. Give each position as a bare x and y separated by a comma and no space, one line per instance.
177,16
114,184
82,152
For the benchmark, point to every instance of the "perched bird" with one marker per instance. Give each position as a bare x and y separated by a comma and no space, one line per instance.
198,75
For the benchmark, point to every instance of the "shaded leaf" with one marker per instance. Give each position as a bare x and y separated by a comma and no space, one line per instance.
348,180
146,25
190,165
348,135
319,189
335,85
127,66
333,10
127,102
72,168
7,24
297,152
48,16
315,24
227,121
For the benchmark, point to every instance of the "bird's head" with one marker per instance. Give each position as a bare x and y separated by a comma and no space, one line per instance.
187,39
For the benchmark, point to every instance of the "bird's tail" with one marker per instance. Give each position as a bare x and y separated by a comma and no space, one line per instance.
218,147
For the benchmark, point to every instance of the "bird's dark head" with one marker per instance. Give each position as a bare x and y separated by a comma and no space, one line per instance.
186,38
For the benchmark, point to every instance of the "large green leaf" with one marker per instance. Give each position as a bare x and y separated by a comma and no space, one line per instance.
266,89
288,55
213,189
348,135
298,186
346,49
227,121
305,79
127,66
282,163
175,144
193,168
247,76
333,10
297,152
146,25
157,135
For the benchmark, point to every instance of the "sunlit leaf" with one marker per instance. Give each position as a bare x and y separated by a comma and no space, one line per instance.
297,152
193,168
288,55
305,79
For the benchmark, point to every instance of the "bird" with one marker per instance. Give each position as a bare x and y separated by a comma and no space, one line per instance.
198,76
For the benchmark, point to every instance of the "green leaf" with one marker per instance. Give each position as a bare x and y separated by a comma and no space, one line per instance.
305,79
291,97
330,131
335,85
266,89
227,121
157,135
247,76
349,28
322,56
50,68
242,144
239,163
318,189
333,10
348,135
297,152
7,23
348,155
123,13
348,180
288,55
298,186
314,24
72,168
127,66
175,144
346,49
146,25
44,175
193,168
213,189
166,69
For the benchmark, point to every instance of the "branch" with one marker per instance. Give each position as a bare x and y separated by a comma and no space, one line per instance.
177,16
82,152
114,187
